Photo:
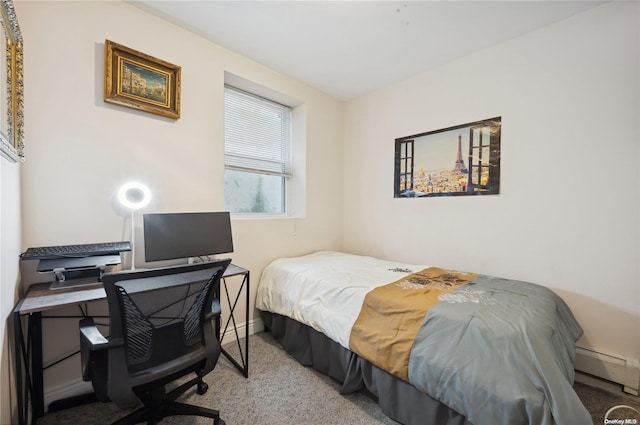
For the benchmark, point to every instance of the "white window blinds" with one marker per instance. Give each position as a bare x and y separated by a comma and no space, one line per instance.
257,134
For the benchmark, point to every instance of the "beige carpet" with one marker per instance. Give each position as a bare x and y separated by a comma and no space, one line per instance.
281,391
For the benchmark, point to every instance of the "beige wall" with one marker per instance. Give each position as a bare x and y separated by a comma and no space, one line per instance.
567,215
80,150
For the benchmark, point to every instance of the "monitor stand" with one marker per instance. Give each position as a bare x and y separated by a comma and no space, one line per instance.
77,271
74,278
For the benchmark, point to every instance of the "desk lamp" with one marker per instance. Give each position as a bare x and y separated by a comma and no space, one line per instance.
134,195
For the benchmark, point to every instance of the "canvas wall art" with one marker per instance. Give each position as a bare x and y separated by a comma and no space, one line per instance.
455,161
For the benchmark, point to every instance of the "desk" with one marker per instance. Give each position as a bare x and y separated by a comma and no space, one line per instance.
39,298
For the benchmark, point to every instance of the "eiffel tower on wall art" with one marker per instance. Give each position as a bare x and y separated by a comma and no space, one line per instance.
460,167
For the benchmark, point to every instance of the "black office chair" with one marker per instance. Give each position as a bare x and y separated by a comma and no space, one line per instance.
160,330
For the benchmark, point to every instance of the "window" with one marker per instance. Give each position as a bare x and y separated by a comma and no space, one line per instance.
257,153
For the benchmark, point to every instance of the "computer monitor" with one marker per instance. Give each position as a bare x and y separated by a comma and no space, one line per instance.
170,236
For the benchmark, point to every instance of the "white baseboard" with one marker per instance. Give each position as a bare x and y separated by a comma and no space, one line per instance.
614,368
256,325
79,387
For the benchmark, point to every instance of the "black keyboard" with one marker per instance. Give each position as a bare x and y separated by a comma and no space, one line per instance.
75,251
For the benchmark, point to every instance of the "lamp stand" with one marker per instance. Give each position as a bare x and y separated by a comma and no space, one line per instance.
133,243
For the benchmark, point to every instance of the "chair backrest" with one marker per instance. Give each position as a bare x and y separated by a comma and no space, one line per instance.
160,325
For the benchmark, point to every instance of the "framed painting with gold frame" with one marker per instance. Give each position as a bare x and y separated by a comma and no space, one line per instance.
11,86
139,81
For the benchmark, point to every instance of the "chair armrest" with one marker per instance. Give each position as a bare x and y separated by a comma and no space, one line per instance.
90,336
93,347
215,309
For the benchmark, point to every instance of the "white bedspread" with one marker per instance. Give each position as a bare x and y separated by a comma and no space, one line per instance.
329,294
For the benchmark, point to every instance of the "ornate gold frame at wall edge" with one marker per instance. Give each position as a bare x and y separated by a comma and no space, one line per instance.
12,138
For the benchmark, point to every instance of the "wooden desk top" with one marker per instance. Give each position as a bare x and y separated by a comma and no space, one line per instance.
40,298
233,270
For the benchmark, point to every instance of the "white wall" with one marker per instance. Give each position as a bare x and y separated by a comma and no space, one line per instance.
9,252
80,150
567,215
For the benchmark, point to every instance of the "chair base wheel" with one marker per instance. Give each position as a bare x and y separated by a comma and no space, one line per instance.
202,387
218,422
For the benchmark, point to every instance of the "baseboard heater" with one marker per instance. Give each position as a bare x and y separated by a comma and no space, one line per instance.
617,369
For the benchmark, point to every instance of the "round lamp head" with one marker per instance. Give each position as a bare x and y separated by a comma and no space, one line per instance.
134,195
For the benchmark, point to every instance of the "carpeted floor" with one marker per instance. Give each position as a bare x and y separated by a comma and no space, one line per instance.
281,391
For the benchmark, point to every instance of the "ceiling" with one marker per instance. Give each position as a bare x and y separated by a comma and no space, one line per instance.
350,48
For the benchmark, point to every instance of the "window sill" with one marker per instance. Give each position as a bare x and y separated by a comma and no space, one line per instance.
256,216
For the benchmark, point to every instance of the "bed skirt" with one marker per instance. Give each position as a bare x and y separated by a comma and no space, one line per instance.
397,399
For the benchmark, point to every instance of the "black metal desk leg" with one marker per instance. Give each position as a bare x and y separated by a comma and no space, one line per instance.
244,357
246,327
28,353
37,394
21,360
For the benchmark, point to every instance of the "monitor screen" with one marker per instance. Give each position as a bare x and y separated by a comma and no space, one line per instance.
172,236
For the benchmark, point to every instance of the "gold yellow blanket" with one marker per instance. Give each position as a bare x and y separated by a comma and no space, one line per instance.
392,314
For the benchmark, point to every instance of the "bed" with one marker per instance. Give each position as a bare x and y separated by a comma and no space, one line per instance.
432,346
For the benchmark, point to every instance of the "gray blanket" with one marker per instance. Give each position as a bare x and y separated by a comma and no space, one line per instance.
501,353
